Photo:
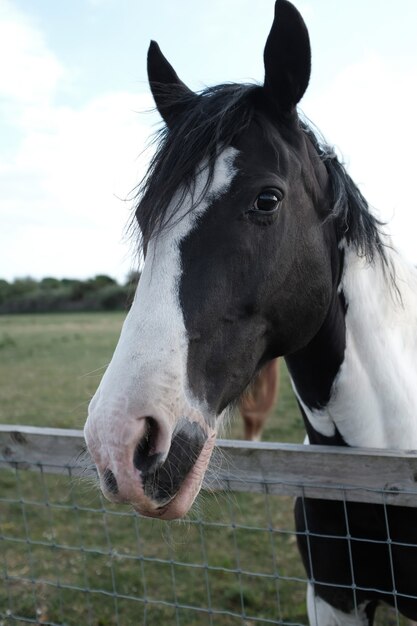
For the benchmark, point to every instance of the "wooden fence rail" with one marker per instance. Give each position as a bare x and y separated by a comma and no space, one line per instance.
327,472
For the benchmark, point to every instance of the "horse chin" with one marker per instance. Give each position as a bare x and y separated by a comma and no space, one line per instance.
179,505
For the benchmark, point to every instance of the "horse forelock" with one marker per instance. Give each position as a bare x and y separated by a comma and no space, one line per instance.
208,125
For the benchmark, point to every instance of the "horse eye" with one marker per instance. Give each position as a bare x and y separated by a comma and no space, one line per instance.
267,201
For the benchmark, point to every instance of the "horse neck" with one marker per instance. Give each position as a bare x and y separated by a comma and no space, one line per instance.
356,381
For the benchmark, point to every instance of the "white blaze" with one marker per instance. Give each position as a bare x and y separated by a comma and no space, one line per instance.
147,375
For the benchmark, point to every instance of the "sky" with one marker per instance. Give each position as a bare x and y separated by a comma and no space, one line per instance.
75,112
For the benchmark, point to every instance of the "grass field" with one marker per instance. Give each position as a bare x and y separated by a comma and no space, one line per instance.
66,557
50,366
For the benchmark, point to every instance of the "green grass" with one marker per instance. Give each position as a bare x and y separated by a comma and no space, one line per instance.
68,557
50,365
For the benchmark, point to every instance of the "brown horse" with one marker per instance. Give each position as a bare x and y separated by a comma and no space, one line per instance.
259,399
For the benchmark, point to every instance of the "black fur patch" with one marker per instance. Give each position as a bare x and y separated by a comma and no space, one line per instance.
161,483
341,533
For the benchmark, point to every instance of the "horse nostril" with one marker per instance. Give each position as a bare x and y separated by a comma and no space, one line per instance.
145,457
110,482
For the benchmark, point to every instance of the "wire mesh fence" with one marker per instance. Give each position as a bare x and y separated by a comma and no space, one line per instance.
69,557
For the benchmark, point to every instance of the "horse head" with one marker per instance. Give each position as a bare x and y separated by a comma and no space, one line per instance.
239,269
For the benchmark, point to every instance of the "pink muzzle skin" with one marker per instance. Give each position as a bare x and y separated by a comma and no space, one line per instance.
121,482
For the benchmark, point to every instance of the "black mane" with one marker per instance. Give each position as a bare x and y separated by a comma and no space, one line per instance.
351,210
213,119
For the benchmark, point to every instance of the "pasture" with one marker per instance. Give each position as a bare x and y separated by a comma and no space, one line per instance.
226,557
50,365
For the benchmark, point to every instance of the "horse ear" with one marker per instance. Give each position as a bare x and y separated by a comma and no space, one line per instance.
169,92
287,57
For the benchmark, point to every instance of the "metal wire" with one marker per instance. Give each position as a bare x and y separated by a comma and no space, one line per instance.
68,557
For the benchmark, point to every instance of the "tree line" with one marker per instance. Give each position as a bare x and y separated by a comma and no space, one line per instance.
101,293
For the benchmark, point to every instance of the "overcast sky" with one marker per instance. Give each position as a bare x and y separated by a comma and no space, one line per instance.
73,93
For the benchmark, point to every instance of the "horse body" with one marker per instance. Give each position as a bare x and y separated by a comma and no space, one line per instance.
372,404
258,245
373,396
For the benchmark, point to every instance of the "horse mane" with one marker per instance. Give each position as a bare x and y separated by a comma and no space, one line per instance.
350,209
213,118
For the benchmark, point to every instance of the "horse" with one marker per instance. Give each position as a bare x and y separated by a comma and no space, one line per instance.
258,400
258,244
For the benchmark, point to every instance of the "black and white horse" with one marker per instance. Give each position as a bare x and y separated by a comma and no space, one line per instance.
258,244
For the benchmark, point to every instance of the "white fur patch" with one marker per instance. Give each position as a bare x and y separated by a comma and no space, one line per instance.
147,375
373,401
320,613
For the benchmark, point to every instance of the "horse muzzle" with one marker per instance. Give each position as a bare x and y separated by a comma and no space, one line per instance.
157,470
